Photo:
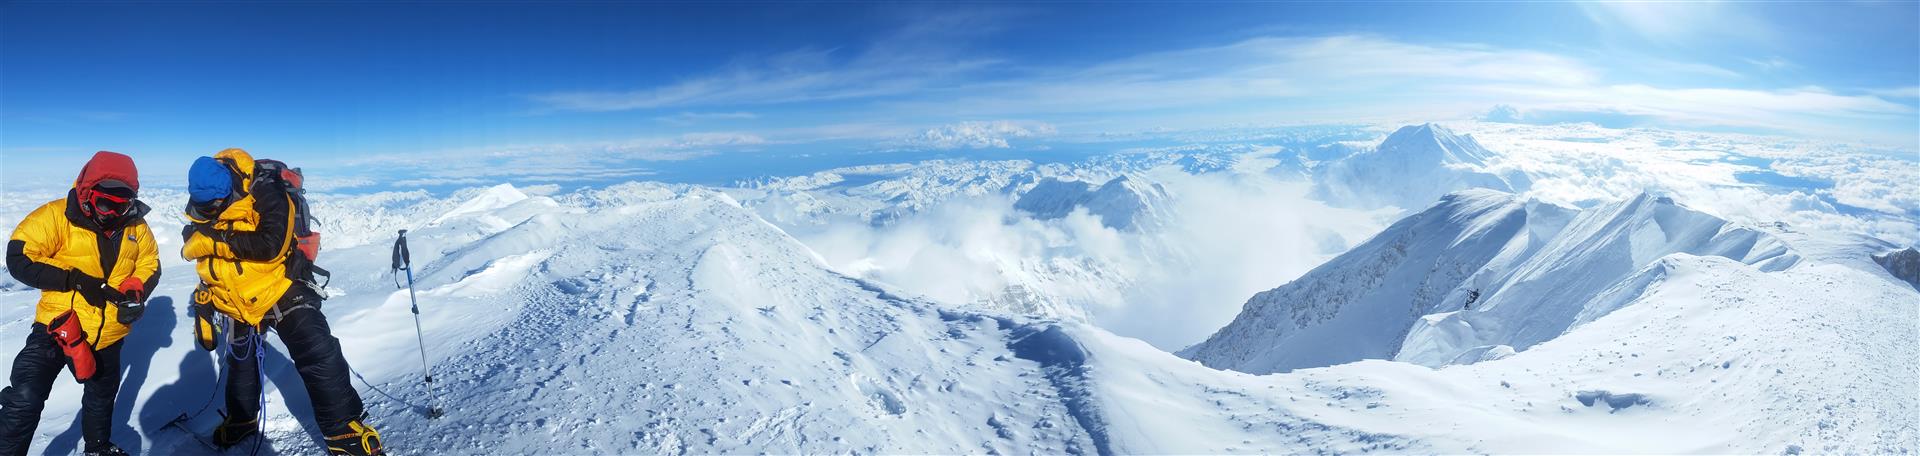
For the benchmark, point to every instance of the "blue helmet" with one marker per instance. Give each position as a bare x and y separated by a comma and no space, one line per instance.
208,180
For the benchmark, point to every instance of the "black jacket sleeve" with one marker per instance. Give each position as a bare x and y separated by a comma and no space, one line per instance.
33,273
147,285
264,243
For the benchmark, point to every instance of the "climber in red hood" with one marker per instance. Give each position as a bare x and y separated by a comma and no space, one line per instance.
94,260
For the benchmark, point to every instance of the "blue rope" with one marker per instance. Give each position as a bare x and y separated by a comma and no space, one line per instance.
260,368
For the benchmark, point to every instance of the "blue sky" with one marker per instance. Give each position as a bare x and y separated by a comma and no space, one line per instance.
464,93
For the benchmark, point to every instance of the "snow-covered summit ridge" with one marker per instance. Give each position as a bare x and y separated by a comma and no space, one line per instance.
1480,271
1360,304
1564,283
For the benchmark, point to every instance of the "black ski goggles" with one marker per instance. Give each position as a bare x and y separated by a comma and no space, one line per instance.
206,210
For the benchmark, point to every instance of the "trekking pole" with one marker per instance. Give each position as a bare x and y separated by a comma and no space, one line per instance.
403,261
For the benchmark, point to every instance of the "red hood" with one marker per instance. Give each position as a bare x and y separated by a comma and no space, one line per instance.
108,166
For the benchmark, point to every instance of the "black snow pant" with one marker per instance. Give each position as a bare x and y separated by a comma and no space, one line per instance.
316,355
34,371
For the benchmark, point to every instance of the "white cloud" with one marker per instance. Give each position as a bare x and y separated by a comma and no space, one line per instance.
921,55
975,135
1809,111
1260,69
326,182
1234,234
1773,63
711,139
795,76
1744,178
690,118
1679,22
920,73
1659,65
585,161
685,146
1896,92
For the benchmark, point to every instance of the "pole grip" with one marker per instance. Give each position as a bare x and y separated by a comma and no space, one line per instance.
402,258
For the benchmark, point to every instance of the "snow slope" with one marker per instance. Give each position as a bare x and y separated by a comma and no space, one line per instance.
1360,304
1720,357
1586,271
646,318
637,319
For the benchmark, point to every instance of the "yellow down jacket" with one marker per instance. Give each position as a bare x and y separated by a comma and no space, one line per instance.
49,236
241,253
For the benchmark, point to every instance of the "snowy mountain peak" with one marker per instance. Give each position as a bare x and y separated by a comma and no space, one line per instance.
1127,204
493,198
1052,198
1431,141
1121,203
1651,200
1411,168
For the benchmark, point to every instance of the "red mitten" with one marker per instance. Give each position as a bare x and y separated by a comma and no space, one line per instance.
133,289
72,340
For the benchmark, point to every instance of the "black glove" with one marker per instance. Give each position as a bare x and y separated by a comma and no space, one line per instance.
92,289
186,232
130,311
116,296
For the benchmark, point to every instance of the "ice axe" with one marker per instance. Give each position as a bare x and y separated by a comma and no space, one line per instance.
403,261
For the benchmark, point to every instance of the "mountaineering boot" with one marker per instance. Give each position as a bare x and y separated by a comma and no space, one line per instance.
104,449
233,430
362,441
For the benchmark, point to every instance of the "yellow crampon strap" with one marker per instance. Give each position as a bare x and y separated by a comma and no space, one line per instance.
231,432
363,436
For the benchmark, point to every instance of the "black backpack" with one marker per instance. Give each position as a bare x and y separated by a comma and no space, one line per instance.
306,247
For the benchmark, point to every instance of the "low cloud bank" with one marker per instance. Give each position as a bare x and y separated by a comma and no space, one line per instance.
1232,234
